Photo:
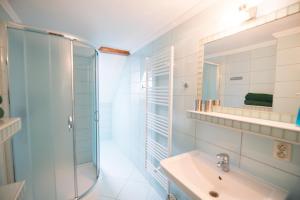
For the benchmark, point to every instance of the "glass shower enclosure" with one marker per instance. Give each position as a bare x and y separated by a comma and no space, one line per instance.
52,87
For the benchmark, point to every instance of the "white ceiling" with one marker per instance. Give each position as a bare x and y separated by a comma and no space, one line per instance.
125,24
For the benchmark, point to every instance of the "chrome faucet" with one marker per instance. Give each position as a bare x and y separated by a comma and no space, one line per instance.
224,162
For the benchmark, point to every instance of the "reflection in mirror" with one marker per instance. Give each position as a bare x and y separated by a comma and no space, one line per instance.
258,68
210,81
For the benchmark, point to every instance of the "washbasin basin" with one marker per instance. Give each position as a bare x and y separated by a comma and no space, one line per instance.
198,176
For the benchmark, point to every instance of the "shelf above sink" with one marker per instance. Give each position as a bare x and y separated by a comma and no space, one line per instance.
276,130
198,176
9,127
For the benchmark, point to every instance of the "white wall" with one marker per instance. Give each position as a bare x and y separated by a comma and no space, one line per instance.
111,67
254,154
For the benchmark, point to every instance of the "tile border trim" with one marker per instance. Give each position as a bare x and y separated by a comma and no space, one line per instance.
275,133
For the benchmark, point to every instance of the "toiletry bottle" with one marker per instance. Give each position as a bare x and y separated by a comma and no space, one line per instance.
196,105
298,116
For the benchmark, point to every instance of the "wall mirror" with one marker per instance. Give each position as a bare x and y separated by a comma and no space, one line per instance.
258,68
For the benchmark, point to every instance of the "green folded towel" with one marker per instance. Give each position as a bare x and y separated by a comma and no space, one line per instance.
1,113
259,97
258,103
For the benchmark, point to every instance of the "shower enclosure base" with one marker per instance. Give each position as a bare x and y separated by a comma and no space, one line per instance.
85,177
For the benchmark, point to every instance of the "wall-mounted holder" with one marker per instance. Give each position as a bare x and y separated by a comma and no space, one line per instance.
185,85
236,78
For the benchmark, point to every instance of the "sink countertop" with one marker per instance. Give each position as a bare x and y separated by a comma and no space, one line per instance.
196,174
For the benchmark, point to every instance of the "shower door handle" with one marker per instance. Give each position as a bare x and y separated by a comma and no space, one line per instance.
70,122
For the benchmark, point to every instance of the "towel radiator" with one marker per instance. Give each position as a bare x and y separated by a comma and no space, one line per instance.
159,107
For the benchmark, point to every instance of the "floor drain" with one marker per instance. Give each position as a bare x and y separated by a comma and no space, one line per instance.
214,194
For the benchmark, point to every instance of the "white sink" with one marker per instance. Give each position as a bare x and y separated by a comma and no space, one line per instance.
196,174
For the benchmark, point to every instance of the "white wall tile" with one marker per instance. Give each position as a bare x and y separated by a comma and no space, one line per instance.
262,76
267,88
288,73
236,101
287,89
238,90
286,105
263,63
239,57
182,143
270,174
191,63
178,85
213,150
238,67
224,138
179,67
289,41
261,149
288,56
264,52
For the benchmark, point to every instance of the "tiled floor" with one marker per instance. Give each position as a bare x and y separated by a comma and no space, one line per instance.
121,180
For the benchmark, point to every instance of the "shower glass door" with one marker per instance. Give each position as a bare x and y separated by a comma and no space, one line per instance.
52,83
40,84
85,116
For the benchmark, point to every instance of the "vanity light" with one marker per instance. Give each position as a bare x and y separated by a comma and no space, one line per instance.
244,11
247,13
249,8
252,3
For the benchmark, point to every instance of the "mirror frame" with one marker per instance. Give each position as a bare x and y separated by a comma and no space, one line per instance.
276,15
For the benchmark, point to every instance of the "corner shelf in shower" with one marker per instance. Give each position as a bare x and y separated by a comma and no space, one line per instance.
9,127
275,130
14,191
